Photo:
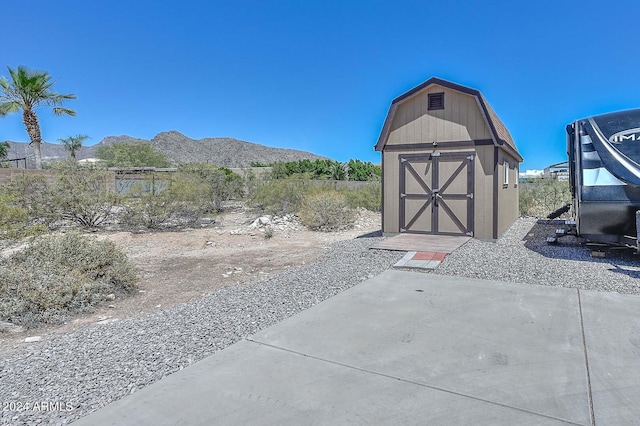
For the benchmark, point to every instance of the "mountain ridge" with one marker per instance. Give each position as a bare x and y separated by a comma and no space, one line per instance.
179,148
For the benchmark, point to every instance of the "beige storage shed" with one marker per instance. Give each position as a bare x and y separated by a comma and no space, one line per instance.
449,165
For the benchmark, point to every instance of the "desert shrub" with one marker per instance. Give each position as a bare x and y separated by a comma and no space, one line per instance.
83,196
368,197
182,203
56,275
132,154
219,184
34,194
14,219
326,210
543,196
154,210
281,196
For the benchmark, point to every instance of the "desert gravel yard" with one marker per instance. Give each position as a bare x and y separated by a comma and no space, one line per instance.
87,368
522,255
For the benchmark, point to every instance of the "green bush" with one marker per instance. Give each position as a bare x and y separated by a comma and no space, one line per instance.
34,194
14,219
281,196
215,185
368,197
326,211
153,210
543,196
326,169
190,194
132,154
57,275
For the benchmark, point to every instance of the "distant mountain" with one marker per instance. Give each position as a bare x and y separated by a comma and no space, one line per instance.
227,152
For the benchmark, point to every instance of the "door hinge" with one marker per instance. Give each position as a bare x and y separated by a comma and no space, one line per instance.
470,158
435,154
470,233
403,160
402,195
470,195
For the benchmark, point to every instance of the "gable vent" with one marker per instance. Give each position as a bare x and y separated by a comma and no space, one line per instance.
436,100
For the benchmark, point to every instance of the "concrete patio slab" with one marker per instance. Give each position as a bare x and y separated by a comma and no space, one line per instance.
254,384
412,348
612,332
516,345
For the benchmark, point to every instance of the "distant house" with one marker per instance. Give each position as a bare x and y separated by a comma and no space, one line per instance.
559,171
449,164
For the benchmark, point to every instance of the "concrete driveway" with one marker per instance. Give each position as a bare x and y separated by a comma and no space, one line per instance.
415,348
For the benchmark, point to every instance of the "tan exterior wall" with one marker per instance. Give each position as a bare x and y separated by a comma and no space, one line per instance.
483,189
508,193
495,204
483,196
460,120
391,191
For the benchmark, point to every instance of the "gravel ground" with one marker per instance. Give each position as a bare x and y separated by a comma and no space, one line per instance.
79,372
85,370
522,255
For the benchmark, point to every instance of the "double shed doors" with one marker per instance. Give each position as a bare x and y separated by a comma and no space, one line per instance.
436,193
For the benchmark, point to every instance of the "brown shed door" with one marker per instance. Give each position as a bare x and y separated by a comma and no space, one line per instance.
436,193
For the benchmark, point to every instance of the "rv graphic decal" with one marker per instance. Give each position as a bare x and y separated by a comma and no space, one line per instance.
625,135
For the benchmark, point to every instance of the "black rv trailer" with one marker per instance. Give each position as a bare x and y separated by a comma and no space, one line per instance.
604,174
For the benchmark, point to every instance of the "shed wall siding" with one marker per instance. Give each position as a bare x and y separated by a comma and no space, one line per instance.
483,195
460,120
508,196
483,191
391,201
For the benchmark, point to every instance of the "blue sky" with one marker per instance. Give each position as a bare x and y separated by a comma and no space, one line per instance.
320,75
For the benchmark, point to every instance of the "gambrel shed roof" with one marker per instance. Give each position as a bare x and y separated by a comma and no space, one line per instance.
499,133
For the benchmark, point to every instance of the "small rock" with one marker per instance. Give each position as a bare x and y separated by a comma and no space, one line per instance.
260,222
10,328
112,306
107,321
111,296
33,339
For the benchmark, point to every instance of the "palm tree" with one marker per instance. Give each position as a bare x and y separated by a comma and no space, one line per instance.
73,143
26,91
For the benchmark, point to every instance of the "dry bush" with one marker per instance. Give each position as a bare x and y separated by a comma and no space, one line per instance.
326,211
368,197
543,196
282,196
57,275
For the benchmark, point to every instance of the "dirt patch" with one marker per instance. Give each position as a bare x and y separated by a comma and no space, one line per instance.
178,267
